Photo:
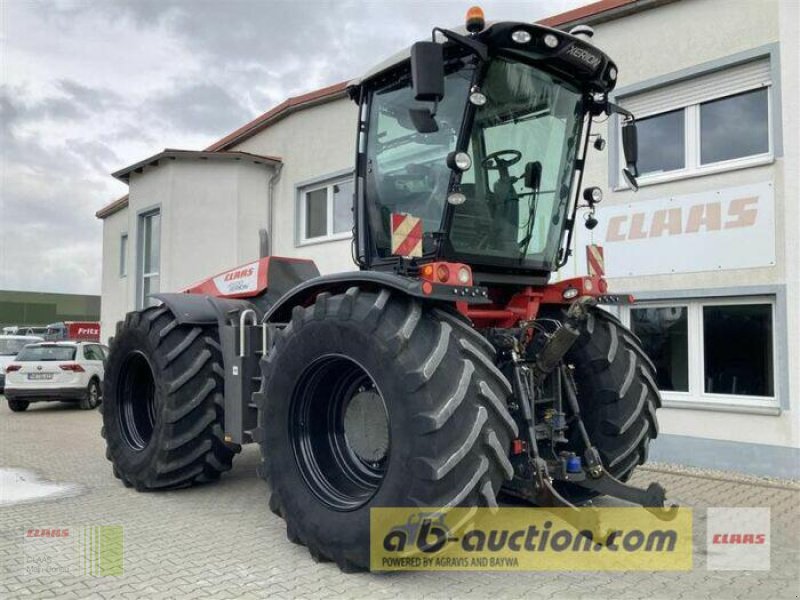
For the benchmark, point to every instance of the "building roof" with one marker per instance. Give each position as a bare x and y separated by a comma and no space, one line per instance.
174,154
112,207
284,109
596,12
600,12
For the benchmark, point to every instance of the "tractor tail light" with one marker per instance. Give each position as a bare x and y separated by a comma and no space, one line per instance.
74,367
446,273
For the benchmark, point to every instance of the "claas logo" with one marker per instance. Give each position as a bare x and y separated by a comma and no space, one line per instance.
239,274
708,217
739,538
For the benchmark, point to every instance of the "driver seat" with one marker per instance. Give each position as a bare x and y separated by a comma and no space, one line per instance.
472,221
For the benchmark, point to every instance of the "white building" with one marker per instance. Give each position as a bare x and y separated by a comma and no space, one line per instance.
709,246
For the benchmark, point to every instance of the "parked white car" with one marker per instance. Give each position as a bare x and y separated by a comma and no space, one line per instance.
56,371
10,346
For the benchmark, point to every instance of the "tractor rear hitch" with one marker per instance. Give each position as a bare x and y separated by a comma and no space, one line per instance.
593,476
534,481
536,486
534,475
654,497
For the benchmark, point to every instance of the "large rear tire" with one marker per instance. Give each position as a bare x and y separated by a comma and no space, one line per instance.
617,394
163,403
373,399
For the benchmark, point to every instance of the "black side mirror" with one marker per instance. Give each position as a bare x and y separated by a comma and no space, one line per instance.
630,179
427,71
533,175
630,147
630,144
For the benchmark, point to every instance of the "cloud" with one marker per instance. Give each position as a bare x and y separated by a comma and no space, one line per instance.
201,107
88,97
47,243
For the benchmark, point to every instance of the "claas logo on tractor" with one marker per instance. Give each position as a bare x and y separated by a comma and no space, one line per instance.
239,274
443,370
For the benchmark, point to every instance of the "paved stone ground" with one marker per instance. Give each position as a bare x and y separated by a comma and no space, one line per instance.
221,541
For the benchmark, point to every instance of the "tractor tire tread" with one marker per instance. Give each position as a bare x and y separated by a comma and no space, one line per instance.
461,440
189,446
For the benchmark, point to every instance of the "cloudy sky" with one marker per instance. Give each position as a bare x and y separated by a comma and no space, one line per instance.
88,87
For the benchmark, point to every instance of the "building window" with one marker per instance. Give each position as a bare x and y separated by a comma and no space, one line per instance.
662,143
710,351
123,255
737,350
664,332
734,127
326,211
706,124
149,257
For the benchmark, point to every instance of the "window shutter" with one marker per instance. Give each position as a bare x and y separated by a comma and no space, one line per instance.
743,77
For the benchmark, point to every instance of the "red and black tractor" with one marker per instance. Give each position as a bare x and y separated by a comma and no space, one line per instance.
448,369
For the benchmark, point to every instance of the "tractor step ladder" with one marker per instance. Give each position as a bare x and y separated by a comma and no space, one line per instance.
243,344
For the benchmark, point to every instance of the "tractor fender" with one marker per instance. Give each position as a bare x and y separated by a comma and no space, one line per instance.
200,309
338,283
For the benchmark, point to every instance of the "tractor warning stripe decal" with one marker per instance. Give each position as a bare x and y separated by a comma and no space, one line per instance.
595,261
406,235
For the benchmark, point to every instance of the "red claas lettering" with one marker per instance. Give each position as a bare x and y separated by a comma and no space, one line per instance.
234,275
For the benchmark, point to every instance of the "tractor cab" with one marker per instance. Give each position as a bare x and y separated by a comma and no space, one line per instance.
471,149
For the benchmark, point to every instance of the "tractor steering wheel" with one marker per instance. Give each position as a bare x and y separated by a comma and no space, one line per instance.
494,161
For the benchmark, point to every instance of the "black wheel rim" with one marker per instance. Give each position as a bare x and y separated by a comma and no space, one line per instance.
339,430
137,400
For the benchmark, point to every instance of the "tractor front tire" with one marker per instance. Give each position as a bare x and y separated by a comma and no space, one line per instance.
373,399
618,397
163,403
